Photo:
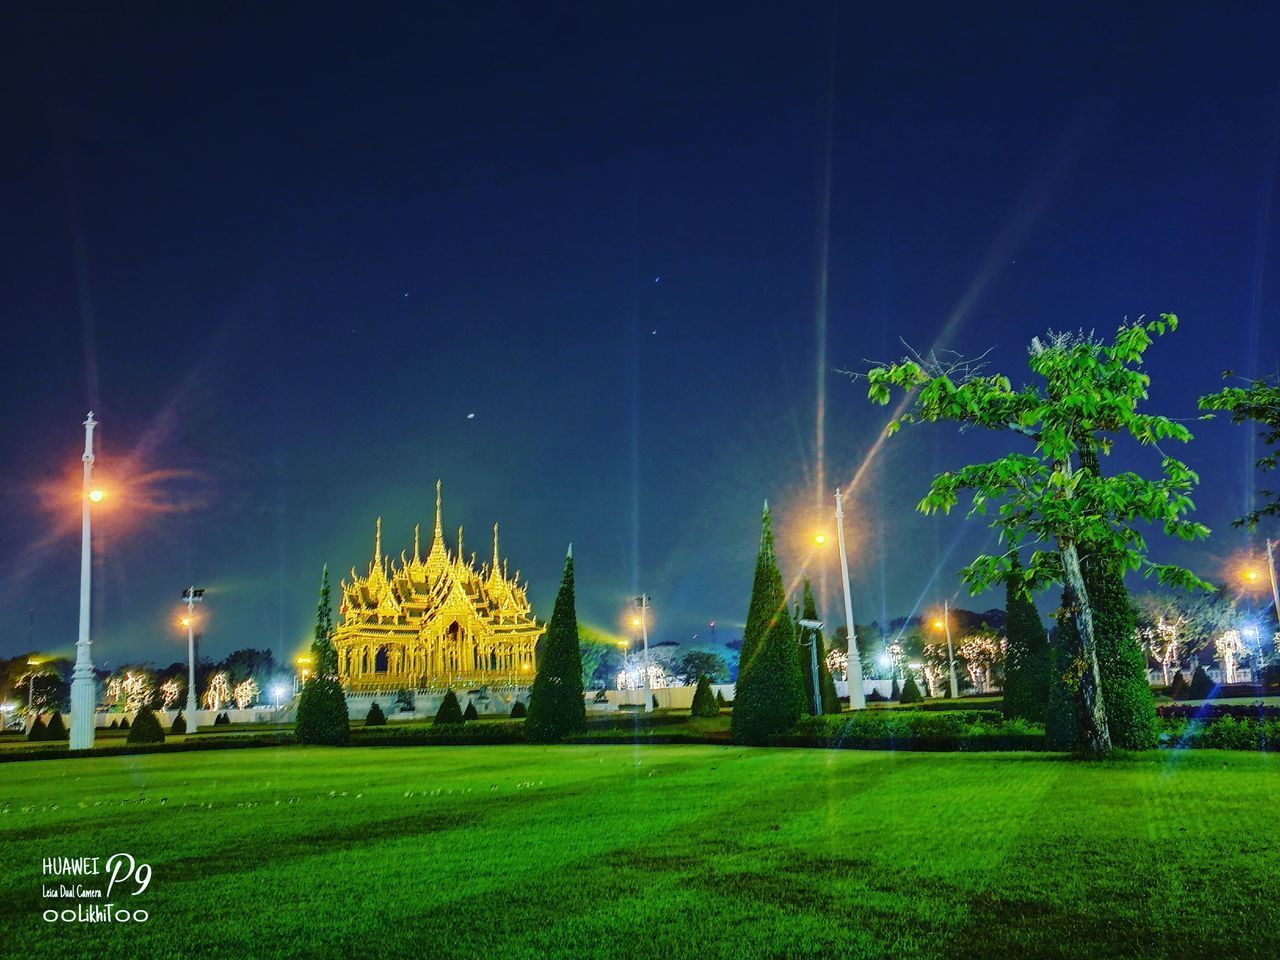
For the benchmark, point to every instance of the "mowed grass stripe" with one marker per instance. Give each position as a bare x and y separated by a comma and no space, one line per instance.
656,851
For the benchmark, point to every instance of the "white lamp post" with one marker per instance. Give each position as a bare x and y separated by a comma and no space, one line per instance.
83,686
813,626
643,602
853,669
951,654
192,595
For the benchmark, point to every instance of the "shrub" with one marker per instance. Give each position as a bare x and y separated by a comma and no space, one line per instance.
221,720
146,728
322,713
115,725
910,692
471,713
124,724
1201,687
518,710
1026,665
721,702
57,730
875,696
704,701
906,729
1178,688
38,731
895,692
375,717
450,712
179,725
1126,695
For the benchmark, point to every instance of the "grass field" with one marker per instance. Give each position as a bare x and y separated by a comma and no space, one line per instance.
670,852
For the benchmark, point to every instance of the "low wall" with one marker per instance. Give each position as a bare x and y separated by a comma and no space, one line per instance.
493,702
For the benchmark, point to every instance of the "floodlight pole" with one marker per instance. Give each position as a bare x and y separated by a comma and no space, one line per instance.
83,684
813,626
951,653
853,669
643,600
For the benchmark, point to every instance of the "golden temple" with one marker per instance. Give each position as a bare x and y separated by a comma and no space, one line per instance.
434,622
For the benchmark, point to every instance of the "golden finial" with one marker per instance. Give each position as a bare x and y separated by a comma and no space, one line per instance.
495,548
416,551
459,543
377,541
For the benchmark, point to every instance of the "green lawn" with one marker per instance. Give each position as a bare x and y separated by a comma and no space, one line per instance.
661,851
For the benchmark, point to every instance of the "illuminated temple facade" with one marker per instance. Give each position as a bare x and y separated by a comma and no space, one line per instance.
435,621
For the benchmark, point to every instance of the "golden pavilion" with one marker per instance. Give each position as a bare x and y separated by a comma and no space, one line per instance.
435,621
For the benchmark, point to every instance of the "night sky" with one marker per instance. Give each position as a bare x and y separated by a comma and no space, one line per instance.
286,253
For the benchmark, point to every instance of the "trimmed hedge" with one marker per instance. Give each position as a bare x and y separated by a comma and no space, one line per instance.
704,702
1216,711
57,730
375,717
450,712
38,731
471,713
916,730
910,692
518,709
1227,733
179,725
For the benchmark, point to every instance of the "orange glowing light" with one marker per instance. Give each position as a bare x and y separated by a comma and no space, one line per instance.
819,538
96,496
185,621
938,624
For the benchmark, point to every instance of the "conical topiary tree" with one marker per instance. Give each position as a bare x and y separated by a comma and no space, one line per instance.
450,711
57,730
179,725
1026,665
768,599
518,710
704,701
1131,709
721,702
471,713
910,692
322,708
38,730
895,692
769,697
556,705
124,724
1201,686
828,698
1178,688
375,717
146,728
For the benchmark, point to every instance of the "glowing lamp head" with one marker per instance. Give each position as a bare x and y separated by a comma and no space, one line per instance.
938,624
635,621
186,621
819,538
96,496
1251,576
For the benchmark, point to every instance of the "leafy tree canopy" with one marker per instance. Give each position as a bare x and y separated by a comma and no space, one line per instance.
1259,402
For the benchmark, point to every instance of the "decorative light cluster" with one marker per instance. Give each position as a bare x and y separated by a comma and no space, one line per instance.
135,689
1230,648
981,653
838,663
170,692
218,693
632,678
246,693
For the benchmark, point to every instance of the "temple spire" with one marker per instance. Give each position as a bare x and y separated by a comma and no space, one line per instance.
459,543
439,535
377,541
495,548
417,553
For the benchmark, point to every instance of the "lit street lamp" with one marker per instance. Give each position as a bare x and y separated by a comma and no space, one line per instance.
945,625
83,685
192,595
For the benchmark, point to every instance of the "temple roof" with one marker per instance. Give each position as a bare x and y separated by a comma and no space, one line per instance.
415,588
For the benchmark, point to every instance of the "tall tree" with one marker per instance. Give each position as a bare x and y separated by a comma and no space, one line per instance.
1259,402
1026,665
828,699
1089,394
769,697
322,708
556,705
768,599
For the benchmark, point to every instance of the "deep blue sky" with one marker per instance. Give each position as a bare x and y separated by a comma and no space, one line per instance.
284,252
